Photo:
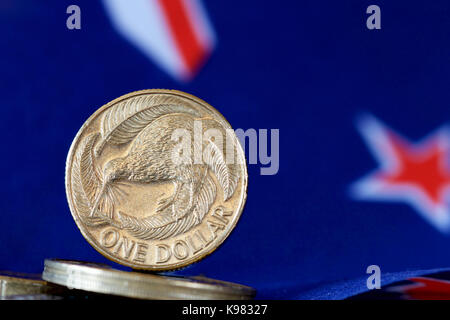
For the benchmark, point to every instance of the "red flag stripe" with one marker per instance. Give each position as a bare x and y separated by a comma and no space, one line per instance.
183,32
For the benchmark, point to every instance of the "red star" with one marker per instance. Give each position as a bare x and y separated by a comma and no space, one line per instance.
425,289
415,173
425,169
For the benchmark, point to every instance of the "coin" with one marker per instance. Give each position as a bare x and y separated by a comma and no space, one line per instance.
40,296
14,284
105,280
156,179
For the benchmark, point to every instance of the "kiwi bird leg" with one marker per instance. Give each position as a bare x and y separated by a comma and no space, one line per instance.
164,203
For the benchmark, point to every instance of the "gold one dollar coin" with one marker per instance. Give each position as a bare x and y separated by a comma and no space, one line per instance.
156,179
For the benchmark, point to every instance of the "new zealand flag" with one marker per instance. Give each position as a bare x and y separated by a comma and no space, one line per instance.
347,103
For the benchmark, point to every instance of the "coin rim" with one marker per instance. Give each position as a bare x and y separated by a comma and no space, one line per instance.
91,240
76,275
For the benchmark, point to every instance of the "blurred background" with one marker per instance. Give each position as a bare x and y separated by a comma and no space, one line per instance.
307,68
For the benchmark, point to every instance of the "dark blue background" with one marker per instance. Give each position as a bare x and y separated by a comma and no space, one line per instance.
305,67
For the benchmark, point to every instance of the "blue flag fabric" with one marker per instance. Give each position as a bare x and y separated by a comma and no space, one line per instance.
362,116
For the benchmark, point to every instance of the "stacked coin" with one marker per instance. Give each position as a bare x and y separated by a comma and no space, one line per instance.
25,286
102,279
155,180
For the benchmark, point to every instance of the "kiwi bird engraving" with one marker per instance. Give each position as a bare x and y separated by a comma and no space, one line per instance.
150,159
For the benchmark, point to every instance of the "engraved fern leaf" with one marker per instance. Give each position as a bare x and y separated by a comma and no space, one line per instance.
123,122
86,180
226,174
79,194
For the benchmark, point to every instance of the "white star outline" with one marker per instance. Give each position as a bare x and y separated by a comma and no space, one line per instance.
371,188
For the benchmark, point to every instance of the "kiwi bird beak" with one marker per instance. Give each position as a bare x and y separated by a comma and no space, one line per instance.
97,200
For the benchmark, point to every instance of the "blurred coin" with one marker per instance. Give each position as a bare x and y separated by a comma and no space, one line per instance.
12,284
156,179
33,297
102,279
